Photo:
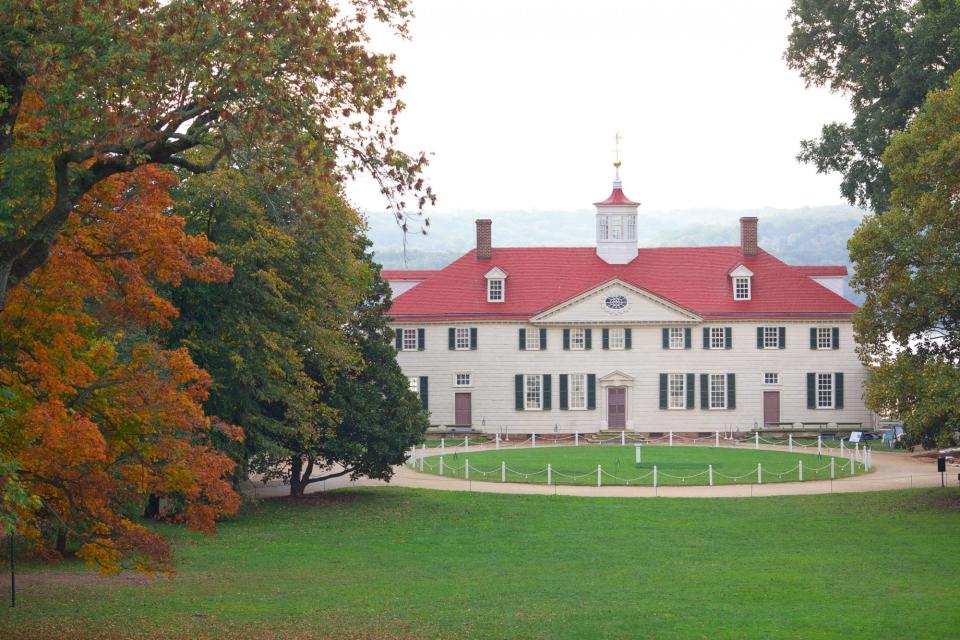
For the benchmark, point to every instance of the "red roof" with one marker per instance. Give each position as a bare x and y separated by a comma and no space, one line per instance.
407,274
617,197
694,278
822,270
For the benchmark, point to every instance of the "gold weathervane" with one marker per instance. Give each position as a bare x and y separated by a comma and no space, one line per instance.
616,151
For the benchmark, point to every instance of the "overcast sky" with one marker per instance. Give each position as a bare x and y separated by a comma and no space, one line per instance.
518,101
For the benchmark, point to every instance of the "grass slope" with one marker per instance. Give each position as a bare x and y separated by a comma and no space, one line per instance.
397,563
675,465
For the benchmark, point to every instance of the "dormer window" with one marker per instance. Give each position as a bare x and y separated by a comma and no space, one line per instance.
496,285
742,282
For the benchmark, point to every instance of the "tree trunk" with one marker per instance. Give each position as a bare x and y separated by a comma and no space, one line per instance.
296,469
61,545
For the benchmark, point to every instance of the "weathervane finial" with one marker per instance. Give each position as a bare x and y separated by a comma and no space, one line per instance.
616,160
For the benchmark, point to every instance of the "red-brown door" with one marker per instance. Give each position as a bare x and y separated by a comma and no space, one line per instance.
462,413
616,408
771,407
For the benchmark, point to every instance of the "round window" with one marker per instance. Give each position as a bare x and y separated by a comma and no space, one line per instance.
616,302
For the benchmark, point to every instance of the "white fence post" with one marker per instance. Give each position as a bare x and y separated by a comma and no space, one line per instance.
549,474
466,469
756,440
710,473
759,474
841,447
599,471
800,466
441,465
534,440
466,442
503,472
623,438
790,440
819,444
654,475
833,472
498,440
717,438
853,463
671,438
857,450
576,439
442,444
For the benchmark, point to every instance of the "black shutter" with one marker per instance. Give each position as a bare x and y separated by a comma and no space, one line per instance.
731,391
451,338
728,337
811,391
563,391
518,388
566,339
782,331
423,392
759,337
421,339
588,338
813,337
523,339
690,392
628,338
835,337
665,335
591,391
663,391
838,391
543,339
546,391
687,337
706,337
606,338
398,339
473,338
704,391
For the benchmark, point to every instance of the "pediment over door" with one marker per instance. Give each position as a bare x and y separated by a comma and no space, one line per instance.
616,379
616,302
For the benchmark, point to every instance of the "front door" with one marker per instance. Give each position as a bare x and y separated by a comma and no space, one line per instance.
462,414
771,407
616,408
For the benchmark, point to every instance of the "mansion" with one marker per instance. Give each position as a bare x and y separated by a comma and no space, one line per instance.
684,339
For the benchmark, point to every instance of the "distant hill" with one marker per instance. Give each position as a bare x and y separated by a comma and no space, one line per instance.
810,235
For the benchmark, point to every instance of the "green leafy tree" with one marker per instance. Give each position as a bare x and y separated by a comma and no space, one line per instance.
886,55
907,264
112,86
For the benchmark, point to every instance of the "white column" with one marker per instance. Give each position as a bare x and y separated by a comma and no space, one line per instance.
819,444
534,440
466,469
549,473
710,474
759,474
503,472
671,438
800,466
599,471
790,440
623,438
576,439
717,439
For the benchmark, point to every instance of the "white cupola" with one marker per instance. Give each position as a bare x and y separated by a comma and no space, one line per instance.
617,225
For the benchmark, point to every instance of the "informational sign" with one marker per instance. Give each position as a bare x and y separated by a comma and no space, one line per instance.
638,454
855,437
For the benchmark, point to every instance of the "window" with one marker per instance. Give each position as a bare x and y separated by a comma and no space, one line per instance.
410,340
824,391
616,228
533,386
771,378
616,339
717,338
533,339
677,340
495,290
578,339
718,391
461,340
771,337
414,384
604,231
578,391
631,224
462,380
741,288
615,302
824,338
678,391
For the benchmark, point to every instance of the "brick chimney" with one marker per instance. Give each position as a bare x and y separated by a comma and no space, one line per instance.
748,236
484,249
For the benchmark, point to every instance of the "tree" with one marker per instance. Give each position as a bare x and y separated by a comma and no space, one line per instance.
886,55
907,263
378,417
130,83
94,412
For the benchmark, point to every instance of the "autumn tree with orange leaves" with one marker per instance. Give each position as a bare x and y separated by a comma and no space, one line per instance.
97,415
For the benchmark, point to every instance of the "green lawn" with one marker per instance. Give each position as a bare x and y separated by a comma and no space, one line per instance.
398,563
679,465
